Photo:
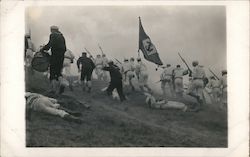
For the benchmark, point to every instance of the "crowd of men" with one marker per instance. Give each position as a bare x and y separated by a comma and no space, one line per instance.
122,74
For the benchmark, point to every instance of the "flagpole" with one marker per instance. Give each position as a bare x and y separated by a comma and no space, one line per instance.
139,35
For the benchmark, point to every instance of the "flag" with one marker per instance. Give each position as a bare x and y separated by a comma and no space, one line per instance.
147,47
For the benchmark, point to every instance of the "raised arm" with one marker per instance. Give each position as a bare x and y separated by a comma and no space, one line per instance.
78,63
49,45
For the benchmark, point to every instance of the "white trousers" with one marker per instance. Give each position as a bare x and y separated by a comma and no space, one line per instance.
47,106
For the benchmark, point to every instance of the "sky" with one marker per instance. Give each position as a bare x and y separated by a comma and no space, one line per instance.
196,32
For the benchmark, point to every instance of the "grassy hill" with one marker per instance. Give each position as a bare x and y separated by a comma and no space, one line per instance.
109,123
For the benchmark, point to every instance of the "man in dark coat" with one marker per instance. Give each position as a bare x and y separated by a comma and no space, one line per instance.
116,80
87,67
58,47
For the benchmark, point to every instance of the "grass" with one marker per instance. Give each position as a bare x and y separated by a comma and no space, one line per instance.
108,123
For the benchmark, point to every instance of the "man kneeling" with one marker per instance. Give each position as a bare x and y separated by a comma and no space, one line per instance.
163,104
40,103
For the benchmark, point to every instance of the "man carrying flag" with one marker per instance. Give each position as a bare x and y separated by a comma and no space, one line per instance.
147,47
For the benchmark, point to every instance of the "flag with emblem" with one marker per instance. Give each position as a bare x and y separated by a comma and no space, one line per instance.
147,47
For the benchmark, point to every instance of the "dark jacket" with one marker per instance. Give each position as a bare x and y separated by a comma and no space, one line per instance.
26,44
56,42
86,62
115,73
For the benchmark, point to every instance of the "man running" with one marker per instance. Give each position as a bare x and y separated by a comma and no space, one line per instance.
116,80
87,67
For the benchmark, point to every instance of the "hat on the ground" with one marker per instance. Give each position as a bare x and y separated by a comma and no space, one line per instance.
138,59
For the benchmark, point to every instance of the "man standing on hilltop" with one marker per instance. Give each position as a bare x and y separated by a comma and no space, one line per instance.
87,67
58,47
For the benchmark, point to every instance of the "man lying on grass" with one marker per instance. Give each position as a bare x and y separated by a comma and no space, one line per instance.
40,103
163,104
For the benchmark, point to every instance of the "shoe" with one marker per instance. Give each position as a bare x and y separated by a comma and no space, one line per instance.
71,118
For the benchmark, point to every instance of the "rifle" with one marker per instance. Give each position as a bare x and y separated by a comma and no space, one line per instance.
100,49
118,61
190,74
214,74
88,52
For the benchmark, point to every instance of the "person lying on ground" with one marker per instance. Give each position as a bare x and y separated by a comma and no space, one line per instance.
40,103
163,104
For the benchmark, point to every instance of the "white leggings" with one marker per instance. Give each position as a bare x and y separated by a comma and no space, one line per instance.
46,106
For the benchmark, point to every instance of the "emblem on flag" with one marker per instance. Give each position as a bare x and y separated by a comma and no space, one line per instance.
147,47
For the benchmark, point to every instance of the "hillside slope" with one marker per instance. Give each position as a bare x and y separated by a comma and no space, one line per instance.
109,123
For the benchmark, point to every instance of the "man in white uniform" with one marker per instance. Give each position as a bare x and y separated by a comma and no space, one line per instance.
127,70
104,64
163,104
142,75
40,103
178,80
223,82
68,60
99,65
196,86
167,81
214,85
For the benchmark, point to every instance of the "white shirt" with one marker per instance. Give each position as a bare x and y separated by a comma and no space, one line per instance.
68,56
223,81
179,72
126,67
198,72
98,61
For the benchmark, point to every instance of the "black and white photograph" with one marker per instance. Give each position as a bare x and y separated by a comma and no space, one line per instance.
126,76
142,79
